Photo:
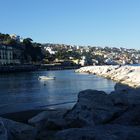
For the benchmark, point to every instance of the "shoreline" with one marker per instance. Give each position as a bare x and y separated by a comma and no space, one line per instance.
32,67
128,75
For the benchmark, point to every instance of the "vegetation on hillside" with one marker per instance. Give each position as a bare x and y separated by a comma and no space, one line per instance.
31,51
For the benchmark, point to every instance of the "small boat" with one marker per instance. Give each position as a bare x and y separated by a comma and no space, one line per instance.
46,78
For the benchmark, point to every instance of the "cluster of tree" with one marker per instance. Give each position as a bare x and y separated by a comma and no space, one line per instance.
31,52
7,40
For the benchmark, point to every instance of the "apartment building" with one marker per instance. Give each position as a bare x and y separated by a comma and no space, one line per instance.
9,55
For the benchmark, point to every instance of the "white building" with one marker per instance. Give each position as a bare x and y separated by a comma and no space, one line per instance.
9,55
83,61
16,37
49,49
109,61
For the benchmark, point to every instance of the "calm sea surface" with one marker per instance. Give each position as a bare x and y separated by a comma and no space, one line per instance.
23,91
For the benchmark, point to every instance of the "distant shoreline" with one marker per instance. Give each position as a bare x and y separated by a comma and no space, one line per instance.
28,68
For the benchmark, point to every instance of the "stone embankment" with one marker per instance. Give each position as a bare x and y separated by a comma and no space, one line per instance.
129,75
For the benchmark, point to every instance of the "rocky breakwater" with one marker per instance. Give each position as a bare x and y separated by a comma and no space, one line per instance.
11,130
129,75
95,116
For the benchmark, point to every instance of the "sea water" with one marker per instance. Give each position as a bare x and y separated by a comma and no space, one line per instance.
24,91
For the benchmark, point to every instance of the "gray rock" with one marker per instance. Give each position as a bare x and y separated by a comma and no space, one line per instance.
130,117
93,107
18,131
55,124
3,131
119,99
125,95
122,88
47,118
104,132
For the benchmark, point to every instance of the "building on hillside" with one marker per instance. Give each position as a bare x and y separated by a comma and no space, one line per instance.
10,55
15,37
76,61
83,61
110,61
49,49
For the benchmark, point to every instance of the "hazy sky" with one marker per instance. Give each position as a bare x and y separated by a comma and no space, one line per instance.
114,23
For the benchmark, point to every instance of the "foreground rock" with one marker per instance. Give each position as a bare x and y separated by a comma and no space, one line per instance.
48,123
52,119
96,115
128,75
3,131
125,95
129,118
103,132
93,108
11,130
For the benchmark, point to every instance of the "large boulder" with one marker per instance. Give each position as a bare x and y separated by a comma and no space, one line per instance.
50,120
125,95
12,130
130,117
122,88
92,108
102,132
3,131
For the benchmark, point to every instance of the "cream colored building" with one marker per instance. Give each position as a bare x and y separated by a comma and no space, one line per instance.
8,56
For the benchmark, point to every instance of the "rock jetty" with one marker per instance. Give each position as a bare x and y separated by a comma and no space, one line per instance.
129,75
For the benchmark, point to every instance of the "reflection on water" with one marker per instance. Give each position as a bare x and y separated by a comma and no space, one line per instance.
23,91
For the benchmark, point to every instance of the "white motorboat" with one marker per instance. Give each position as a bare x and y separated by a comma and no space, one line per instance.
46,78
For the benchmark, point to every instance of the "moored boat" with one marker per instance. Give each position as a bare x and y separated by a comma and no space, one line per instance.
46,78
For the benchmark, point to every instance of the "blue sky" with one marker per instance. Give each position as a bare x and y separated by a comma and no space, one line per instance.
114,23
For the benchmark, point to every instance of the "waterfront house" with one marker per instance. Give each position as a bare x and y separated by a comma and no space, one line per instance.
9,55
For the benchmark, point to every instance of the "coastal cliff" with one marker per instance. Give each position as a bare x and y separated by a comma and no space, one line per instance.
129,75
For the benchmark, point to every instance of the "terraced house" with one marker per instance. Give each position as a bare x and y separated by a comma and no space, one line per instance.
10,55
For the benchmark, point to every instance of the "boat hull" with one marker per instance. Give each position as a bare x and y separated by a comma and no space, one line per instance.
46,78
